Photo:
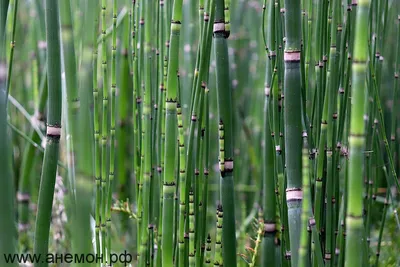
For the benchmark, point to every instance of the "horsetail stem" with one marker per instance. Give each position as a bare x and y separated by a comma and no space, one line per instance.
170,134
357,137
218,257
192,249
306,109
292,117
226,134
7,229
97,149
53,131
112,129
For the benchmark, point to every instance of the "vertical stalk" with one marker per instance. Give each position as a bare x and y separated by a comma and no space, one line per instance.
147,136
52,134
354,220
182,182
207,256
293,126
124,139
170,135
112,126
191,229
8,232
225,110
395,91
69,67
104,129
96,128
331,86
135,113
82,237
206,148
14,6
306,221
269,201
218,257
161,119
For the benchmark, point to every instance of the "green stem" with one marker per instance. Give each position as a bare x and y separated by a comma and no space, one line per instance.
53,132
170,135
354,219
293,126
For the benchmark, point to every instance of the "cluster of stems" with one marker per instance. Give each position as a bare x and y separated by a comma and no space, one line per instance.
201,133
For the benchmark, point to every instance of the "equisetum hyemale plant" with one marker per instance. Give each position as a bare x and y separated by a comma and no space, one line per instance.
53,131
199,133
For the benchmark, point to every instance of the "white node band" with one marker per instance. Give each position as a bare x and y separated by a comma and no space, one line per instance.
219,27
291,56
54,131
23,197
267,90
228,165
269,227
294,194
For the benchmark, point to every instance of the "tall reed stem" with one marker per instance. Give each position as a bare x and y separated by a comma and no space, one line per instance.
293,127
354,219
53,132
225,110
